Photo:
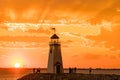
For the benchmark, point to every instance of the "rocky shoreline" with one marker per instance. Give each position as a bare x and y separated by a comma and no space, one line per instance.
69,76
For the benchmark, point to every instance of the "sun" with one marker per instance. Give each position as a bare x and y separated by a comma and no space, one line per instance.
17,65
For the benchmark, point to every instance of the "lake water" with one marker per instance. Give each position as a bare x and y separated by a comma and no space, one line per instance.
14,74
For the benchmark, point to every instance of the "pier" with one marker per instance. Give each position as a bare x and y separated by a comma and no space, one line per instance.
69,76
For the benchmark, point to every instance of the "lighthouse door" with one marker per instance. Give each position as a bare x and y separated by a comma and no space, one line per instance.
58,68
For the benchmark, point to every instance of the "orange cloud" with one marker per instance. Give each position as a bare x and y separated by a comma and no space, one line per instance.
39,30
23,38
110,13
90,56
35,10
109,38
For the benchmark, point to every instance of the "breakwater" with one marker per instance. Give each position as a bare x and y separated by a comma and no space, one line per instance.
69,76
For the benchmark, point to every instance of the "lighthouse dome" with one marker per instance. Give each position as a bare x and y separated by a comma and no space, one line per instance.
54,36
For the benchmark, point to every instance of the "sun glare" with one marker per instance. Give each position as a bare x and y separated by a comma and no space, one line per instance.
17,65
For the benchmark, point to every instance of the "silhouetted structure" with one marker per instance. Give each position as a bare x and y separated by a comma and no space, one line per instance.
90,70
72,70
55,64
33,70
38,70
75,69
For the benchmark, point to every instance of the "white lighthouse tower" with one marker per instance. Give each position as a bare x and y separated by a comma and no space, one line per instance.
55,64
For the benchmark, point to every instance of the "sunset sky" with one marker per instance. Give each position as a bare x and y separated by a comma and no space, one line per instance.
89,32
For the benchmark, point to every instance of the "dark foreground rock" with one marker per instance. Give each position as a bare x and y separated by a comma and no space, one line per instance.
66,76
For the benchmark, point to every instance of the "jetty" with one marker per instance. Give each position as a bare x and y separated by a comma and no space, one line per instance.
69,76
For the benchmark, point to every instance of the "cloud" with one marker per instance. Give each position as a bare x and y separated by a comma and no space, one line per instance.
66,42
24,38
39,30
6,44
90,56
35,10
109,38
2,27
20,4
29,38
110,13
24,29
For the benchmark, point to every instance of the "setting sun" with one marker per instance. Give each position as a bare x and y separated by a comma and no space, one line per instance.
17,65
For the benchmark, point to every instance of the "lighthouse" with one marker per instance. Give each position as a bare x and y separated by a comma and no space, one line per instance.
55,64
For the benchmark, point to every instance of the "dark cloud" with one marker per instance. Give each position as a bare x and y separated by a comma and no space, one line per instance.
111,39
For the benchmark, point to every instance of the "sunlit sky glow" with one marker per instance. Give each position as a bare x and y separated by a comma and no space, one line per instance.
89,32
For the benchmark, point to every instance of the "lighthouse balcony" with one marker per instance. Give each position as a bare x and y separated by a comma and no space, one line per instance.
54,43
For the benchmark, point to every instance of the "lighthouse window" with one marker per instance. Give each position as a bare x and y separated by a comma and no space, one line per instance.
50,50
